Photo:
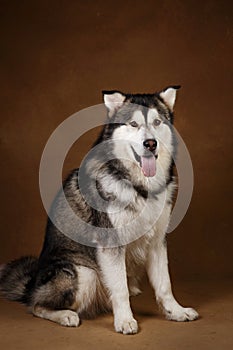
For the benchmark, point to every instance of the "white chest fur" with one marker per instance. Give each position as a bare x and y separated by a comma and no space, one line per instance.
138,217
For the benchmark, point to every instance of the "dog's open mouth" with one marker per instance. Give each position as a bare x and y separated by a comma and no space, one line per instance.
147,163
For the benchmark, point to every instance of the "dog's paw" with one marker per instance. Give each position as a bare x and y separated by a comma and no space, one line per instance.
134,291
127,326
181,314
69,319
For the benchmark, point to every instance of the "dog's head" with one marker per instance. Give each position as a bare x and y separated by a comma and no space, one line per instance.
142,127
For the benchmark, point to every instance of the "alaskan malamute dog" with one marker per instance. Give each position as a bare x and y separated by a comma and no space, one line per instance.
122,200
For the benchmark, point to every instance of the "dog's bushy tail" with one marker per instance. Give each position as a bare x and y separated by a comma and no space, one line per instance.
17,278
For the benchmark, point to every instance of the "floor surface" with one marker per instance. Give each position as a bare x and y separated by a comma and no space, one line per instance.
213,300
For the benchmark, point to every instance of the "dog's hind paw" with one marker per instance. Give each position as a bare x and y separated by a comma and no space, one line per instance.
181,314
66,318
134,291
127,326
69,319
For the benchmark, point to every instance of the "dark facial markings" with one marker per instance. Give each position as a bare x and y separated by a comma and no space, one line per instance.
145,111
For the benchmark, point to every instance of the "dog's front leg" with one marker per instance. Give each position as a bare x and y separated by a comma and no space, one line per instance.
157,268
113,269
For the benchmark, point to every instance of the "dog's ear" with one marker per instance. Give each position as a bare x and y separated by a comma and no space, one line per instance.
168,95
113,100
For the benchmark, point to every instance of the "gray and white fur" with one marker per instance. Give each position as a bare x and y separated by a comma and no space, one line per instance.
125,191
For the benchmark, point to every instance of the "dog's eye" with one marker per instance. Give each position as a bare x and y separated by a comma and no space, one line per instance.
133,124
157,122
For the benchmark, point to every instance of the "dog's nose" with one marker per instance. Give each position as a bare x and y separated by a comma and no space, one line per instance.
150,144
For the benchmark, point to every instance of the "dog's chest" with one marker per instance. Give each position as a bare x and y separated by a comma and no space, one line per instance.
137,251
139,216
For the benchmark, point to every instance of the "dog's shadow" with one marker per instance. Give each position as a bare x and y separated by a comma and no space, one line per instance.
199,293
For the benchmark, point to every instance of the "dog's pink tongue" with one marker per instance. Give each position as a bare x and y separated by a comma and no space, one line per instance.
148,166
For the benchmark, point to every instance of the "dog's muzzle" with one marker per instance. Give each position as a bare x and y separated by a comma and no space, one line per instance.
148,160
150,144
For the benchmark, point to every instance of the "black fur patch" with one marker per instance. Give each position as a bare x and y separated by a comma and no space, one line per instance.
54,278
117,169
141,191
16,278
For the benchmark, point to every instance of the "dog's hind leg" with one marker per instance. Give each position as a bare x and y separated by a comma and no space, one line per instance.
88,297
134,289
62,291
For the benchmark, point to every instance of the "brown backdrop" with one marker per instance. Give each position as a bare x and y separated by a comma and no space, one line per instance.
57,56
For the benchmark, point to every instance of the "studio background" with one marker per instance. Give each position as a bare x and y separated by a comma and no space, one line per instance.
57,57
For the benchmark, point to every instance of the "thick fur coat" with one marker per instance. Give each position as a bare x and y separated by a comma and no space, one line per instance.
122,198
